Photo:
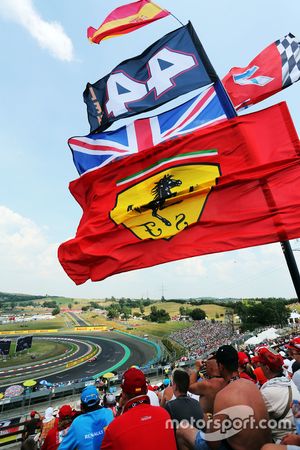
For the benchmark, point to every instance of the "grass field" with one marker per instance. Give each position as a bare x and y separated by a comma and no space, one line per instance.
295,307
159,329
95,319
173,309
58,322
41,349
138,327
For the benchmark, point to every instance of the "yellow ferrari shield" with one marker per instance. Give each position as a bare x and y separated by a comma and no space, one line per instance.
167,202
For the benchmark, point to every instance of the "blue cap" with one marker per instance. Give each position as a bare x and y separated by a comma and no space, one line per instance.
166,382
90,396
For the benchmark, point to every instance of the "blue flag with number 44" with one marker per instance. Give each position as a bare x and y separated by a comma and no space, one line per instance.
174,65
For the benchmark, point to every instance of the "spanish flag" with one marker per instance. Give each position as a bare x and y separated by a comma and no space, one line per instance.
125,19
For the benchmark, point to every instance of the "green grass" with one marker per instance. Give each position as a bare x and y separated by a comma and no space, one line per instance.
173,308
58,322
138,327
41,349
158,329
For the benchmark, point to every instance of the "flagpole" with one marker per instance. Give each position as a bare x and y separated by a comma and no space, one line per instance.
176,18
163,9
285,245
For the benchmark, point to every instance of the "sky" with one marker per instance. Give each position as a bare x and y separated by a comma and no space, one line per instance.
46,61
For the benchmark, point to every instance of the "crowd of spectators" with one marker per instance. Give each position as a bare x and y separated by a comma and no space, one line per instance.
232,400
204,336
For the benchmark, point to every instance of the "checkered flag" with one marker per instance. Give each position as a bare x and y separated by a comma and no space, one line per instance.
289,50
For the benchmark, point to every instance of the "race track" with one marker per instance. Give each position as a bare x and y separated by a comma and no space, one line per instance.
118,352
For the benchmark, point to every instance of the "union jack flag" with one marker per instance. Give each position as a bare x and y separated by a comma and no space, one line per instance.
96,150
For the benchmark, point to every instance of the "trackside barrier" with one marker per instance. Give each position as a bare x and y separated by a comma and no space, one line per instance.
11,433
28,332
101,328
153,344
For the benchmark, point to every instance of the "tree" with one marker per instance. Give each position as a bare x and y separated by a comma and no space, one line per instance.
70,305
182,310
50,304
55,311
112,312
197,314
125,312
158,315
263,313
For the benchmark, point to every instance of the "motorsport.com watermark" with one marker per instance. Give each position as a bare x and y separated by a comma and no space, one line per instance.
237,418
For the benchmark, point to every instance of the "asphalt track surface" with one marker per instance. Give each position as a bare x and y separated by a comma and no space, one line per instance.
112,353
79,321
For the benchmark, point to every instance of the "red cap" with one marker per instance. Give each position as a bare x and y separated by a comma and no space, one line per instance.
243,358
134,382
32,414
271,359
65,411
294,344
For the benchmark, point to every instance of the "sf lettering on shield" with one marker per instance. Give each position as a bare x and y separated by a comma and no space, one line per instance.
156,231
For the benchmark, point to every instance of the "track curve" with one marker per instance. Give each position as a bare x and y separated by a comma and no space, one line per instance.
118,352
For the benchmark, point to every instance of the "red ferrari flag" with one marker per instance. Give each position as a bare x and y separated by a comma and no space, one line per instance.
125,19
274,69
229,186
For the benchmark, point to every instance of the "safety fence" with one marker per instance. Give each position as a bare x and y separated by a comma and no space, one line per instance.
17,332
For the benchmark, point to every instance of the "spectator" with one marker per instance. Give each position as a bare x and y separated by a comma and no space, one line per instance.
32,426
278,392
154,400
140,425
57,433
289,442
109,401
184,408
167,393
260,376
87,430
294,347
77,409
207,388
29,444
237,395
48,423
245,369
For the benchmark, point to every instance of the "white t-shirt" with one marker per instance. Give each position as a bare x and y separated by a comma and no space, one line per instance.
154,401
296,379
275,393
287,367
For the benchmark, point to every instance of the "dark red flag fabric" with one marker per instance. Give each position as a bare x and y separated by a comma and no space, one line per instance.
229,186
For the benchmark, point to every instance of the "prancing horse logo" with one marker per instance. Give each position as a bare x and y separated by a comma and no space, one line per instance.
138,207
161,192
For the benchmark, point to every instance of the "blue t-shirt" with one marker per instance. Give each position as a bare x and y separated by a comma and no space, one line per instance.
86,431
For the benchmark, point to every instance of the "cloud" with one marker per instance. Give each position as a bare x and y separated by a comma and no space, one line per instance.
27,258
49,35
29,264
